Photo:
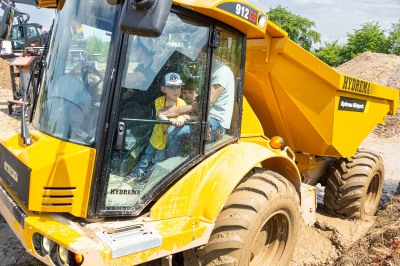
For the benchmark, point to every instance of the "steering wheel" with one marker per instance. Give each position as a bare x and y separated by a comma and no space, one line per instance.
88,69
84,69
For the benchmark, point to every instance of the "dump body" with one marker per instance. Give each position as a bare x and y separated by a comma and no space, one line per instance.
310,105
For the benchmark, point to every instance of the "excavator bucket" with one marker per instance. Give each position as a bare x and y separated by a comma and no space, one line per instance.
310,105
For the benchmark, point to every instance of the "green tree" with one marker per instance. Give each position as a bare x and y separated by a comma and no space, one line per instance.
299,28
394,38
370,38
97,49
331,53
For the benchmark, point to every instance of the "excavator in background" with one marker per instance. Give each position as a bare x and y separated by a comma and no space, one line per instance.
23,49
23,34
235,197
27,35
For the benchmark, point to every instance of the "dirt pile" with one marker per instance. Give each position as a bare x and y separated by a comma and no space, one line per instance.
5,79
7,123
383,69
381,245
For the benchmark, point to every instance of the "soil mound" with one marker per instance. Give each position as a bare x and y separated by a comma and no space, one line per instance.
5,80
379,68
383,69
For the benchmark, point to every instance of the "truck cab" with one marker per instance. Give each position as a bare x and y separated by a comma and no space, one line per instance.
94,136
225,192
26,35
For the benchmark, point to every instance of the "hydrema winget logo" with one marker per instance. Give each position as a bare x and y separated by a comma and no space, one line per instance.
345,104
350,104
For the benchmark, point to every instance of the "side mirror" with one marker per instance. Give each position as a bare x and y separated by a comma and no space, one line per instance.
6,23
144,17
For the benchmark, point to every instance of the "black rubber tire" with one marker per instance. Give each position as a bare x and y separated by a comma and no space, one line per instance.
354,185
259,224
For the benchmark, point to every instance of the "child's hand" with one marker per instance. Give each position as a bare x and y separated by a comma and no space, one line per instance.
162,117
178,122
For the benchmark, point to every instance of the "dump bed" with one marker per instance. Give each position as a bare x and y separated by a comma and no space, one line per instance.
310,105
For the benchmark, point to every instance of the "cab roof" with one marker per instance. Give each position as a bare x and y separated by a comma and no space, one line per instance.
239,14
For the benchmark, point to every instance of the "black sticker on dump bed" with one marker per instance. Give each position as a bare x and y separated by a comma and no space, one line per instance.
241,10
350,104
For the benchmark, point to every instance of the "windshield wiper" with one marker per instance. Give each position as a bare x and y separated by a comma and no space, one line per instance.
33,99
24,127
41,66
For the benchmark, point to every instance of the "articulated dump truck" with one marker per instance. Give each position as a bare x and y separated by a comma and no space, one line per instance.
267,122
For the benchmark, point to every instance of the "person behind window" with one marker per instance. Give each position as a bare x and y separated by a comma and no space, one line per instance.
177,136
143,74
190,92
155,150
221,98
21,32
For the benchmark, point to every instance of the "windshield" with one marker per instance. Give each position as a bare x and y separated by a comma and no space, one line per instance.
17,33
76,64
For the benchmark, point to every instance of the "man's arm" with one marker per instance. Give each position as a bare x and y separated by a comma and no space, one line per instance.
174,111
216,91
161,117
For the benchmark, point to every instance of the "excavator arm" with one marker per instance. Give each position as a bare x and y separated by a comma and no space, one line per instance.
37,3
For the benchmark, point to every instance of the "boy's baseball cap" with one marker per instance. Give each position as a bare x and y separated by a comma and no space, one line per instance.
172,79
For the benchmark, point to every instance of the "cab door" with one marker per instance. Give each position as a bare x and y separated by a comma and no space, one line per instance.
184,50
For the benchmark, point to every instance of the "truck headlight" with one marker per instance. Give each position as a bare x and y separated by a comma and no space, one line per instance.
46,244
63,254
262,20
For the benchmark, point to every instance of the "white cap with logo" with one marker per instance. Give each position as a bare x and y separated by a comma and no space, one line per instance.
172,79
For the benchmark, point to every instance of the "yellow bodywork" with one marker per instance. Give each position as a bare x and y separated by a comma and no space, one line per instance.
61,174
203,191
210,9
48,3
183,217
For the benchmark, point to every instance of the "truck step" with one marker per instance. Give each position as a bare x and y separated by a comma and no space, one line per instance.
124,240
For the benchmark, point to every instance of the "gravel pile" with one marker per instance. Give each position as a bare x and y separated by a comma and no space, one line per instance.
379,68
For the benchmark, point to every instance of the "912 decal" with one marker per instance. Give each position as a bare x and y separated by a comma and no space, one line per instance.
241,10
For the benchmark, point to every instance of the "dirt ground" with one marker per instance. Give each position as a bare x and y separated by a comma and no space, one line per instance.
332,240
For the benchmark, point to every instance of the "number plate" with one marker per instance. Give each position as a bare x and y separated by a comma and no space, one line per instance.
11,171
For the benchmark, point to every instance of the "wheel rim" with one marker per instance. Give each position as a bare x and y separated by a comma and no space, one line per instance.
372,193
270,241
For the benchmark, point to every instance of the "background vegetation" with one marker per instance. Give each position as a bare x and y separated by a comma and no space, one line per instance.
369,38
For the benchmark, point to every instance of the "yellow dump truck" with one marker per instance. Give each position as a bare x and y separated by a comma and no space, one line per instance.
264,121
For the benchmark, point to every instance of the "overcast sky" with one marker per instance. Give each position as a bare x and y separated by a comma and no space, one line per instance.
333,18
43,16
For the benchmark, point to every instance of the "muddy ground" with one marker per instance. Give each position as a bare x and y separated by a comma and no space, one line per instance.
332,240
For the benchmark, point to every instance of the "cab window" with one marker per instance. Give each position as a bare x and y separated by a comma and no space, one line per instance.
225,75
